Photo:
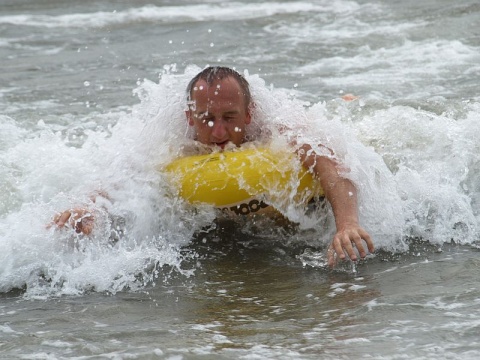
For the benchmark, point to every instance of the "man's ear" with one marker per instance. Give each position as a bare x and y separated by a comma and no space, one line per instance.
189,116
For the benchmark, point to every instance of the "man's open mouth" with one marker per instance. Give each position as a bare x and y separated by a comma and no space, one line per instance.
222,144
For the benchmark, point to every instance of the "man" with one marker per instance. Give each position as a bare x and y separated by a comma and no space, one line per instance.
219,111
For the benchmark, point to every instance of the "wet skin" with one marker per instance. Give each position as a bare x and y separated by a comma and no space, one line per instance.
218,112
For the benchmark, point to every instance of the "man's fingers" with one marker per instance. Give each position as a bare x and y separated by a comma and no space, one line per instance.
87,225
331,256
337,246
81,220
359,245
63,218
368,240
347,246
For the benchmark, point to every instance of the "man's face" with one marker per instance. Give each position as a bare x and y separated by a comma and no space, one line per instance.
219,113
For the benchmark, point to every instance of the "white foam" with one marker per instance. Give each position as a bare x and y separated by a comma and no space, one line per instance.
415,177
165,14
46,173
8,330
415,65
57,344
434,159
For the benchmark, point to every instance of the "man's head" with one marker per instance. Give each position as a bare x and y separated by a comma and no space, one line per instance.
219,100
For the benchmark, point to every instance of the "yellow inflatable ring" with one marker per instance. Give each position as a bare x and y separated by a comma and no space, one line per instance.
244,180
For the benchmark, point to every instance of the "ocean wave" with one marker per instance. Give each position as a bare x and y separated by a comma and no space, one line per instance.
425,67
165,14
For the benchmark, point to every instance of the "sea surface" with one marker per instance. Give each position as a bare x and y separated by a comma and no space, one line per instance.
92,100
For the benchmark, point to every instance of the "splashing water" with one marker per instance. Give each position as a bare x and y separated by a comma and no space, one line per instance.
406,188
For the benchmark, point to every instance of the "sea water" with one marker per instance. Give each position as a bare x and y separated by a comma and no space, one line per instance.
92,96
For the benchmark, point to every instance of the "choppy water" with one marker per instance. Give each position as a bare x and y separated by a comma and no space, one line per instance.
82,108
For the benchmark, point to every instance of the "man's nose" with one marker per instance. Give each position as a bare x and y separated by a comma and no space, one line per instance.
219,130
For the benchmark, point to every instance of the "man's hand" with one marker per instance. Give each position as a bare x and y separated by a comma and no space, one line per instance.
82,220
345,240
349,97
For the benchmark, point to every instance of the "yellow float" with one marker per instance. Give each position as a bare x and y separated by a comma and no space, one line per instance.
244,181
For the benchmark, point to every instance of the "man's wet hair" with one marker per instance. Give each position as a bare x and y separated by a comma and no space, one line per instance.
216,73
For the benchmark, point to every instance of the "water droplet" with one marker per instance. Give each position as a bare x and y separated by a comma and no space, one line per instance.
212,44
86,83
210,123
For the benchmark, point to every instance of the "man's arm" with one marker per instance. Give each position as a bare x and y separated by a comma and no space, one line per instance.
342,195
